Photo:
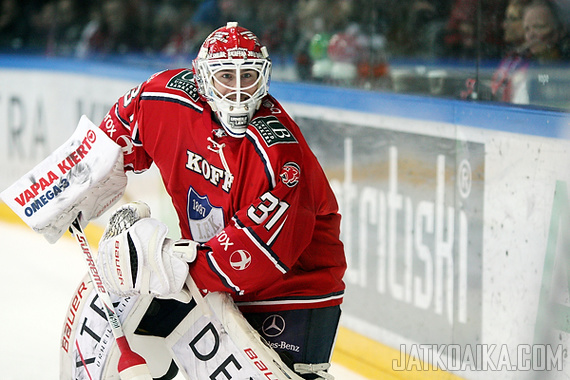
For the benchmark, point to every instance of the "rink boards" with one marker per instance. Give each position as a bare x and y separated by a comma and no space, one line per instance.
452,213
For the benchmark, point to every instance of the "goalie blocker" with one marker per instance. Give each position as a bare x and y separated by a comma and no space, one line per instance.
205,338
84,176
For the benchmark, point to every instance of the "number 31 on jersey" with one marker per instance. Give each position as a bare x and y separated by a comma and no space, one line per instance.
269,204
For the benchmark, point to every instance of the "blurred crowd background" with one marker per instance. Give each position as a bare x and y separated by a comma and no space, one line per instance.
514,51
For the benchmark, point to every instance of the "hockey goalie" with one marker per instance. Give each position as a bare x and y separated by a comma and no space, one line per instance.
253,289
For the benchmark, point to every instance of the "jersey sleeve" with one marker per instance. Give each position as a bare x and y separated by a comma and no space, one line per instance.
121,125
272,225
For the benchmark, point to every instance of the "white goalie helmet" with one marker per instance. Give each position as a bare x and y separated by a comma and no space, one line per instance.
232,72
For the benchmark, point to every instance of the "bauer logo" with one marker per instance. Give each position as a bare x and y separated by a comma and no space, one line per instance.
412,227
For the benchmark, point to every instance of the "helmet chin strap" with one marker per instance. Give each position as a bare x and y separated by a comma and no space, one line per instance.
232,130
234,122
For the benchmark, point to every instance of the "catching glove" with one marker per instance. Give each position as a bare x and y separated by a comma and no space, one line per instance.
136,257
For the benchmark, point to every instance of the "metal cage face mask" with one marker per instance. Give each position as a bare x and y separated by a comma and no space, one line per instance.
234,89
232,72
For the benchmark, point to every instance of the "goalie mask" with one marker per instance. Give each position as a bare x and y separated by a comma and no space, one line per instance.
232,72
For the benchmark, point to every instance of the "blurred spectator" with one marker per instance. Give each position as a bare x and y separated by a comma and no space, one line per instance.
546,42
341,42
425,22
67,24
275,26
114,27
545,35
473,29
169,32
212,14
415,27
167,20
460,32
373,63
357,58
513,31
515,58
318,19
357,43
204,16
13,25
42,23
344,50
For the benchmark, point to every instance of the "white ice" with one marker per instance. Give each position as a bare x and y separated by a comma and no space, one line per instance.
37,281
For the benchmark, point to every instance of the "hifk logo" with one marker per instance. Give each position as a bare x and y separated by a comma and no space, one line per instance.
240,259
205,220
291,174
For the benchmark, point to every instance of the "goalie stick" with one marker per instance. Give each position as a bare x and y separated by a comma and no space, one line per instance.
132,366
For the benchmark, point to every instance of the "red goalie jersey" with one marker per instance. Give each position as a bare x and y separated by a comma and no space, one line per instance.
261,205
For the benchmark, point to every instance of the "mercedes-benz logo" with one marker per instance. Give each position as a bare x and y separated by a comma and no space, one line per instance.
273,325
